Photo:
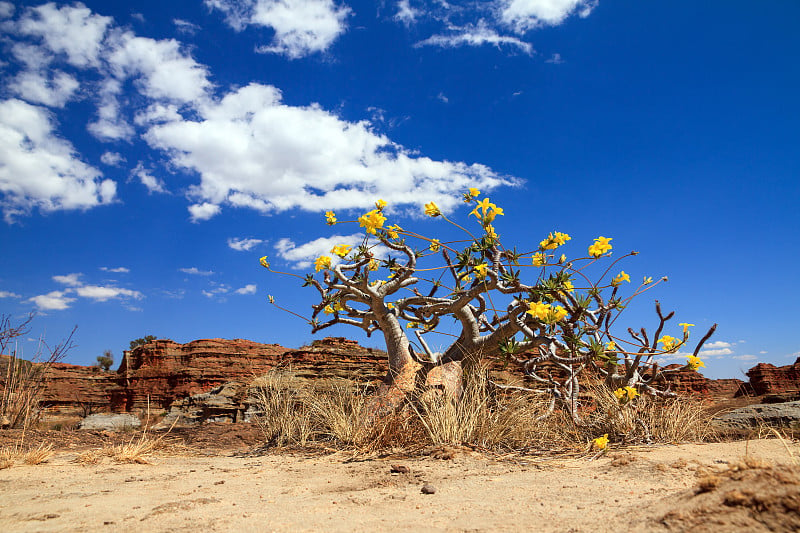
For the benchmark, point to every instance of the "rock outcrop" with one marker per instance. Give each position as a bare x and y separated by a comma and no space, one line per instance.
779,415
770,379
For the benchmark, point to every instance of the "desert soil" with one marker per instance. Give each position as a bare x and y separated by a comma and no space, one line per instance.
734,486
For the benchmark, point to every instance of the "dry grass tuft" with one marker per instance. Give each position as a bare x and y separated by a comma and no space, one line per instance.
647,418
40,454
285,416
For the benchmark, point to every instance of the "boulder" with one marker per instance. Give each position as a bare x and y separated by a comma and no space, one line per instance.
110,422
777,415
221,404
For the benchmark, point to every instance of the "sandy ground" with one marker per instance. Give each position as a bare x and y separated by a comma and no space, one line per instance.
634,489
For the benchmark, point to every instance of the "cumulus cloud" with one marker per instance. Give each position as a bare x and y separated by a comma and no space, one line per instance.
243,245
302,27
112,159
745,357
73,31
196,271
40,170
302,256
717,344
52,89
71,280
247,289
55,301
525,15
102,293
251,150
719,351
9,294
6,9
152,183
204,211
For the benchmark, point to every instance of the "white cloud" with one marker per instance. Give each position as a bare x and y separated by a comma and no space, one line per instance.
524,15
203,211
6,9
474,35
112,159
38,169
717,344
217,290
251,150
55,300
161,68
103,293
71,280
52,89
720,351
117,270
196,271
303,256
152,183
111,124
184,26
243,245
70,30
8,294
763,352
745,357
441,96
247,289
302,27
405,13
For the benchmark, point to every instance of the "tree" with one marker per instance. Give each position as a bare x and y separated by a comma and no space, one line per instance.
142,341
105,361
556,326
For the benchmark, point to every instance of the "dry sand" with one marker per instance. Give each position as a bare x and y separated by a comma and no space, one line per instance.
625,490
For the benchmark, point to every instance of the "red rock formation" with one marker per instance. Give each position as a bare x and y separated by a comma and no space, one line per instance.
164,371
769,379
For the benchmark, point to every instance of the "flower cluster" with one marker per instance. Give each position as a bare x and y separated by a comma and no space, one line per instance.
619,278
626,394
486,211
601,246
546,312
322,262
554,240
669,343
330,218
341,250
694,362
372,221
432,210
600,443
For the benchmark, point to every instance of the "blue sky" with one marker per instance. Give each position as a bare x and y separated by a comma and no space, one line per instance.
150,153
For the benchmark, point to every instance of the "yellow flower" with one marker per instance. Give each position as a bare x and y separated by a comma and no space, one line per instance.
600,246
390,305
611,346
271,298
488,211
669,343
490,233
341,250
546,312
264,262
539,259
647,280
338,306
322,263
562,259
374,264
600,443
467,278
626,394
372,221
622,276
392,231
435,245
380,204
480,270
694,362
432,210
554,240
328,310
474,192
685,327
568,287
412,325
330,218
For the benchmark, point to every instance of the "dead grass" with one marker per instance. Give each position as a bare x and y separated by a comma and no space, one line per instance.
484,416
18,453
